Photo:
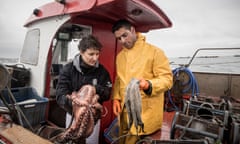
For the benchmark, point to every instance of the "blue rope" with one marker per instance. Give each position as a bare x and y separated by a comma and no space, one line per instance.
190,85
171,101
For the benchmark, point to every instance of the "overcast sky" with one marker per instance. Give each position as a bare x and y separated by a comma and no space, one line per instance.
196,24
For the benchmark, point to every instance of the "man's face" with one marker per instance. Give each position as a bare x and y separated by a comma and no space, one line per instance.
126,37
90,56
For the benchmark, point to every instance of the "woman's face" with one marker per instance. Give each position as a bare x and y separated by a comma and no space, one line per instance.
90,56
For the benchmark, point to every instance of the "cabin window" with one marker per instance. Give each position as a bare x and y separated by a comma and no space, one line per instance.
65,44
30,50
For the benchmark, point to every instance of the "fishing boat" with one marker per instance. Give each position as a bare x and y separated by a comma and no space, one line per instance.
53,31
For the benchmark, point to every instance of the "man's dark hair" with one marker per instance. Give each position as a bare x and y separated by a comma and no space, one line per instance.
89,42
121,23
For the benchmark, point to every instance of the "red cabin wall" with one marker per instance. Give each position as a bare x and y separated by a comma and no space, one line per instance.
107,58
108,54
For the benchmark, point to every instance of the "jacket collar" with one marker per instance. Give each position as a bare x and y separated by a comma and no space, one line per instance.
140,40
77,61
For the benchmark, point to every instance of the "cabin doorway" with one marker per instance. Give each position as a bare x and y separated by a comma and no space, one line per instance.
64,49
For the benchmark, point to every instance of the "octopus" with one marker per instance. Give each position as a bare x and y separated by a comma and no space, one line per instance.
86,112
133,105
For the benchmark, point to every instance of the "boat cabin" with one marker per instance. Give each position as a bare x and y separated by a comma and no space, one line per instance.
55,29
53,33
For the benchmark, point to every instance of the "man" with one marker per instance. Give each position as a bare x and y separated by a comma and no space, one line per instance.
84,69
141,60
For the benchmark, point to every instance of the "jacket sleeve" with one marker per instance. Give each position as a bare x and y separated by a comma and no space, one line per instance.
116,89
104,86
116,86
64,88
163,78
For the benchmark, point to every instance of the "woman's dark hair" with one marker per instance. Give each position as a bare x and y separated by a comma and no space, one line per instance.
89,41
121,23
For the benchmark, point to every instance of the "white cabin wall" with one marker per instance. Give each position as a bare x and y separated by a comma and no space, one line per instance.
48,28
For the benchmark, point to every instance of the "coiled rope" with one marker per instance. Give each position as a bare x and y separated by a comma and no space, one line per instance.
190,85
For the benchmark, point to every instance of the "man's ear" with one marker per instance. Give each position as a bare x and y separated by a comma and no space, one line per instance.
132,29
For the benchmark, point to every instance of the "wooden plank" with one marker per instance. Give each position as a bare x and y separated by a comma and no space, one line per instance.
19,135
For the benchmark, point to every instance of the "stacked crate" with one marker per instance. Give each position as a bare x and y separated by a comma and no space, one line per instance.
234,120
202,118
30,103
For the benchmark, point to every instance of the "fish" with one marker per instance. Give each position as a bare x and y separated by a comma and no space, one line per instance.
133,104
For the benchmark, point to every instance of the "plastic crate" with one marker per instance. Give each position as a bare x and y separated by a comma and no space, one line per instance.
179,142
210,101
234,106
234,133
111,133
34,109
189,127
192,108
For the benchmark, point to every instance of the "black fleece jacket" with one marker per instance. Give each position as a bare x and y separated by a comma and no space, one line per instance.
76,74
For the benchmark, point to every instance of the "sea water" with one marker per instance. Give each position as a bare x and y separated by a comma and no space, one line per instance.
212,64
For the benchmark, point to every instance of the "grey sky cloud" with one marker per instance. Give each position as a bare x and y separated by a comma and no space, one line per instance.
196,24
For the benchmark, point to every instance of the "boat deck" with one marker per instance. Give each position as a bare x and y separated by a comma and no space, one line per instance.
164,134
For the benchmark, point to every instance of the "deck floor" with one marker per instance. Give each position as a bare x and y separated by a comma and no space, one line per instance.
164,133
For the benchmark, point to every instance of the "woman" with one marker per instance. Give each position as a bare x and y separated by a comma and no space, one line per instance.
84,69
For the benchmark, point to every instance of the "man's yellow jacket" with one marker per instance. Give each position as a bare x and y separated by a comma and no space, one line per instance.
149,62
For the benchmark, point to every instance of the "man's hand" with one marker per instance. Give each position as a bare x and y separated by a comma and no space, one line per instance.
116,107
143,84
